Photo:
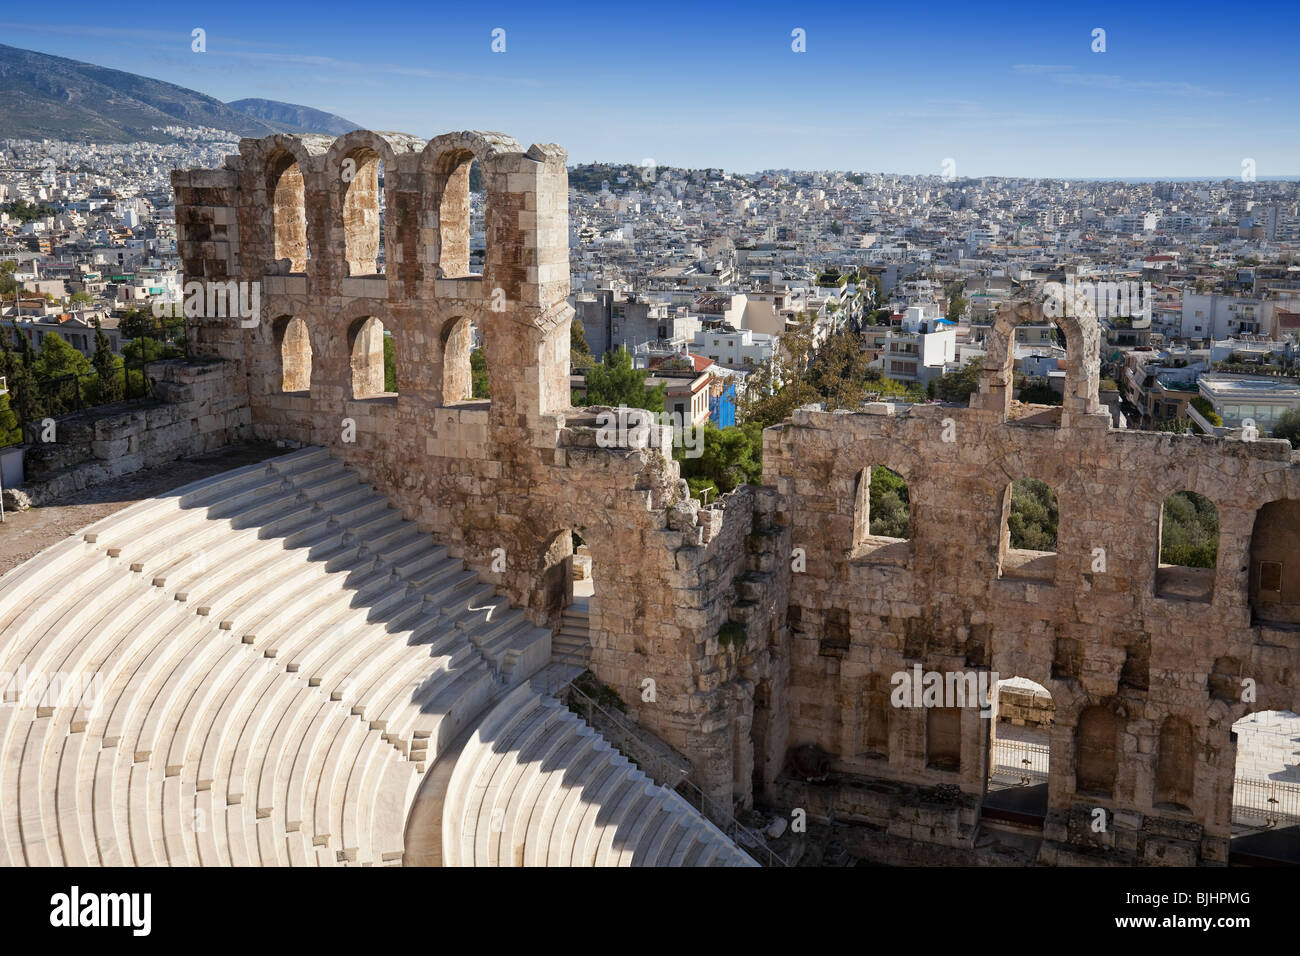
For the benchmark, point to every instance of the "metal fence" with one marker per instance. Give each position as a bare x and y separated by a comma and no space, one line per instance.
1013,758
51,398
1257,802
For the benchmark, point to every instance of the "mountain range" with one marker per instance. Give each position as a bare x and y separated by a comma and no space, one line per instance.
51,97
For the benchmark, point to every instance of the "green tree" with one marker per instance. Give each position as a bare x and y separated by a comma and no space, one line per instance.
390,365
25,397
890,504
1288,426
82,299
1189,531
579,351
766,402
8,284
1202,405
58,359
839,372
10,431
136,324
478,375
1039,394
613,381
956,306
1033,517
958,386
731,456
106,367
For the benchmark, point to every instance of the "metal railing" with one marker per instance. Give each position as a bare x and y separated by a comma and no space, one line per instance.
1257,802
1024,760
747,839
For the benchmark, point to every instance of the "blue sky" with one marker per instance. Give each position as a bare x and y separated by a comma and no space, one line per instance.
1185,89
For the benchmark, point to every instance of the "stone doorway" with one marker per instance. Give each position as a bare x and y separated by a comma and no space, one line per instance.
1019,753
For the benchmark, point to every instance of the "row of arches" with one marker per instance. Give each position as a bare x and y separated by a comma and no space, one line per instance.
1187,539
1020,745
371,227
372,359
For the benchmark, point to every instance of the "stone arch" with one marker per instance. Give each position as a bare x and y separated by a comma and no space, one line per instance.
1275,562
365,342
1083,362
1187,547
1175,783
444,172
293,346
351,170
1024,712
457,344
287,196
549,541
1097,750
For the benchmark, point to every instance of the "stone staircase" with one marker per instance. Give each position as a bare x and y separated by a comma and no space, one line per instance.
571,643
516,799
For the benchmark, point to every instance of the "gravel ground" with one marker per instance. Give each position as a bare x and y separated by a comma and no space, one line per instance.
26,533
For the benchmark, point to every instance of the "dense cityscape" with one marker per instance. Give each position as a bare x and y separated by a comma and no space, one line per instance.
721,264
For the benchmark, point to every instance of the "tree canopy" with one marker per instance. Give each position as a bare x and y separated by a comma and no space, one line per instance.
1033,516
1189,531
613,381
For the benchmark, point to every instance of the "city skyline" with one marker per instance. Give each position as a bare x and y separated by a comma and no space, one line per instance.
883,91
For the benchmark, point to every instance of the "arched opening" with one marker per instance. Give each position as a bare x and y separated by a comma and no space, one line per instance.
284,185
882,515
477,219
1176,766
1266,775
943,738
464,366
568,586
295,354
462,215
373,364
363,235
1019,750
1097,749
1030,518
1189,548
1040,360
1275,563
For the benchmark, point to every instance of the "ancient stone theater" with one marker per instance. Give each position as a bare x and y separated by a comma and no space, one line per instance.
381,645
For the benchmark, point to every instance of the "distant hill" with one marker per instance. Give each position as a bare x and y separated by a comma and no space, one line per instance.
52,97
288,118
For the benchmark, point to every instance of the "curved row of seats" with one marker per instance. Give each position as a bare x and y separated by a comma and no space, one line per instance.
535,786
263,663
257,669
